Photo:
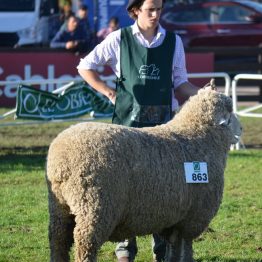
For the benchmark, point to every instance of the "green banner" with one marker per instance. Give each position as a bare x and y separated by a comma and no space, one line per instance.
75,101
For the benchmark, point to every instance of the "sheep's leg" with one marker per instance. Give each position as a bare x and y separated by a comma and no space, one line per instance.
87,239
180,250
61,226
94,225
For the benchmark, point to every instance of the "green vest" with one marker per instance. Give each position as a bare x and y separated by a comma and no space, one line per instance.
144,89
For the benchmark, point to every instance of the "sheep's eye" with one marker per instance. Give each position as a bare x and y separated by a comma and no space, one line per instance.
225,122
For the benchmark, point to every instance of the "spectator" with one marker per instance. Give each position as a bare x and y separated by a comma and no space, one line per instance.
82,15
113,25
72,38
65,12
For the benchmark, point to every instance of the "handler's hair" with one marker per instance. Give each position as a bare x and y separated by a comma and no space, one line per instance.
135,5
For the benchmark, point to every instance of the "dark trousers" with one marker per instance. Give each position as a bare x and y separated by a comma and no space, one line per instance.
128,248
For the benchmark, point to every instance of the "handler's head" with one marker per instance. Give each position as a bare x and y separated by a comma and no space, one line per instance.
134,5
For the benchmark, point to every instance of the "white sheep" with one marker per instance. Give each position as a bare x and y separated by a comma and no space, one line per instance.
110,182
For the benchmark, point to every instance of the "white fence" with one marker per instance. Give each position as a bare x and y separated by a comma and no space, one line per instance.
230,88
223,75
68,81
249,111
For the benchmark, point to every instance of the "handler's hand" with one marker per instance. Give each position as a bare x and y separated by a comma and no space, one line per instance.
112,96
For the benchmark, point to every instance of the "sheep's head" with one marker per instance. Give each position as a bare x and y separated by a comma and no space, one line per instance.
234,125
209,108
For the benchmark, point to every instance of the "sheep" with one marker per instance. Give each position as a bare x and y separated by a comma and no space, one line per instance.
108,182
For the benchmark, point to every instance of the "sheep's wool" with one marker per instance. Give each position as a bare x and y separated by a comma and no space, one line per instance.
109,182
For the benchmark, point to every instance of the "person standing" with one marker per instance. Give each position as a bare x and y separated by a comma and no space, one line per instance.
66,11
149,63
83,16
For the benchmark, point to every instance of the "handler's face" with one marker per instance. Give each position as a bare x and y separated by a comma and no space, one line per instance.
149,13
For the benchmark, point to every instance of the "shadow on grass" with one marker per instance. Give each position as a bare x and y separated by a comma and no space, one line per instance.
219,259
29,157
247,154
251,146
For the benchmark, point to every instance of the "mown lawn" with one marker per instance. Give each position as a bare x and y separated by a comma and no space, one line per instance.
234,235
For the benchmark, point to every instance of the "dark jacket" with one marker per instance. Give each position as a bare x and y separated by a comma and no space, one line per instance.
63,36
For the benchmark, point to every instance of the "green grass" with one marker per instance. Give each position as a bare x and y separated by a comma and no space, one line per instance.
234,235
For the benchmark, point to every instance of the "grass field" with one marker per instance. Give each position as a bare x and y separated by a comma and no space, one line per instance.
235,235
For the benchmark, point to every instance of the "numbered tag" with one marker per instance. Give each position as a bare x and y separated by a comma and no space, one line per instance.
196,172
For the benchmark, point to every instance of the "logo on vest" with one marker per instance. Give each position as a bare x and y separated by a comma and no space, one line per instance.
149,72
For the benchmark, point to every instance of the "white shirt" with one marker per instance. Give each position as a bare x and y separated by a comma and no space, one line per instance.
108,53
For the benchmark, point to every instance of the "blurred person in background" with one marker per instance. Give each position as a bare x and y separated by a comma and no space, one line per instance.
82,14
65,7
113,25
72,37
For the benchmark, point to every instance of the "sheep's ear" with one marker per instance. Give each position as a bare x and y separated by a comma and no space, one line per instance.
211,85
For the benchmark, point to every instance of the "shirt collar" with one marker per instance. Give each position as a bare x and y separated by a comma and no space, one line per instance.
161,32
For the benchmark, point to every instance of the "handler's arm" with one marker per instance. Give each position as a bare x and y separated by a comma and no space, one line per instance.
186,90
93,79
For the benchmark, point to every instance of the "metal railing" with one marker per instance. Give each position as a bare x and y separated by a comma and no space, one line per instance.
247,111
69,82
223,75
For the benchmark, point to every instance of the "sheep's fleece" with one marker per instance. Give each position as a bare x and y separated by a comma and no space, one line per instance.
110,182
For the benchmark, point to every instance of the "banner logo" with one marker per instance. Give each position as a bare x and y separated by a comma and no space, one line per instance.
77,100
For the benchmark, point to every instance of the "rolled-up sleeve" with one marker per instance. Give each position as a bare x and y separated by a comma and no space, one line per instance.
105,53
179,64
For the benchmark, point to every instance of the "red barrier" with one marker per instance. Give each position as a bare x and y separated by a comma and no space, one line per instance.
17,66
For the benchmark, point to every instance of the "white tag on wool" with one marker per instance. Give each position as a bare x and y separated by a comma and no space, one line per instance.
196,172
